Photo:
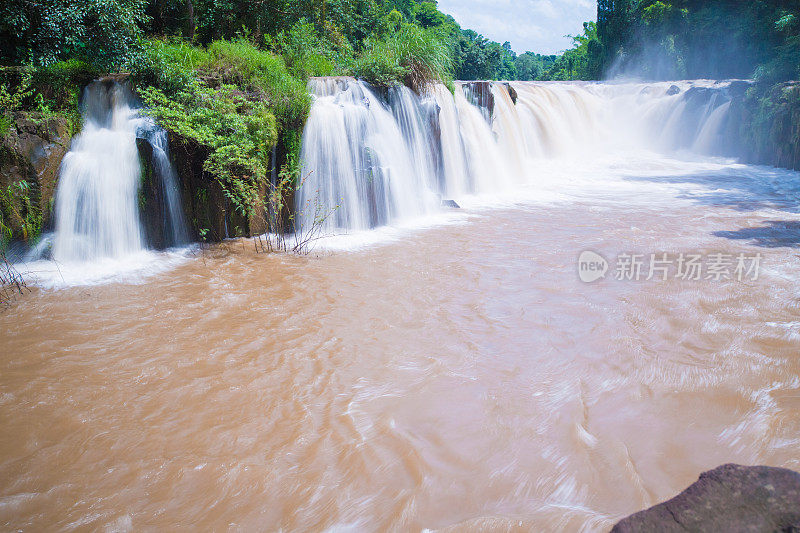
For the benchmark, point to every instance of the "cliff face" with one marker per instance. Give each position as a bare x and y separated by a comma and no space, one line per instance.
31,150
776,127
764,126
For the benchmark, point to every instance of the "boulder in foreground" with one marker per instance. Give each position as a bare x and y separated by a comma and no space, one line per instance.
728,498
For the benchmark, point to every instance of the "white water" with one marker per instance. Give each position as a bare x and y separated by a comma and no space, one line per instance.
98,233
97,211
360,170
371,160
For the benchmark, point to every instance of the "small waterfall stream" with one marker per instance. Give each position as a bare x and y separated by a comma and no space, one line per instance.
97,201
372,158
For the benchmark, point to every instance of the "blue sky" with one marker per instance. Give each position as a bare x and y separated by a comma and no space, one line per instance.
530,25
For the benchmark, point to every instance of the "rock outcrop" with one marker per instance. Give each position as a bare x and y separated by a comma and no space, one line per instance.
31,151
728,498
480,94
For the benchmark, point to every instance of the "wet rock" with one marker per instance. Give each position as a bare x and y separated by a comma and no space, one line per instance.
728,498
512,92
699,96
673,90
451,204
738,88
480,94
151,199
204,202
31,151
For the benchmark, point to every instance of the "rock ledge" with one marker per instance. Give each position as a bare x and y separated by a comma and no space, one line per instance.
728,498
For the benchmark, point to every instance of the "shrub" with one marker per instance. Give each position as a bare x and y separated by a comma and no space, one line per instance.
103,32
168,65
265,75
236,132
60,83
306,54
414,56
15,88
20,216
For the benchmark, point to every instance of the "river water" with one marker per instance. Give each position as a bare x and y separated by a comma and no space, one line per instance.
452,375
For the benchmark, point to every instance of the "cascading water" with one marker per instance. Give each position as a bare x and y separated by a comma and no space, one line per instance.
97,210
360,169
171,223
371,160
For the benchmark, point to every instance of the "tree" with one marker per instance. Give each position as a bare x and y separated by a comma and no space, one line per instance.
43,32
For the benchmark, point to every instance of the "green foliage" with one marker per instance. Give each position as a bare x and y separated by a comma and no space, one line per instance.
413,55
167,64
307,54
6,123
103,32
236,132
173,65
262,74
668,39
481,59
14,93
427,16
49,91
393,20
582,62
227,103
769,132
20,216
60,83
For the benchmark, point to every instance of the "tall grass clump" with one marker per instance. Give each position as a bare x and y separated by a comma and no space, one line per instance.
263,74
413,56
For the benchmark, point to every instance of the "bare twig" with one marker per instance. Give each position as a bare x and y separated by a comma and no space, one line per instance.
12,283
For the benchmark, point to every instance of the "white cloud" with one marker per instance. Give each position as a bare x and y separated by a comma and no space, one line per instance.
530,25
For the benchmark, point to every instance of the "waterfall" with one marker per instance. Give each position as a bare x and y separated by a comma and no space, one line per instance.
372,157
359,166
97,200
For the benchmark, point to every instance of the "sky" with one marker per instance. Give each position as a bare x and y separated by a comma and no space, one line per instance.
530,25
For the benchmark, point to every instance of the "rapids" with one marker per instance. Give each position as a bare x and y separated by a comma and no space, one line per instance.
448,370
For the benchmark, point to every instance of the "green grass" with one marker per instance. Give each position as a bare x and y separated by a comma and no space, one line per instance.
413,56
242,64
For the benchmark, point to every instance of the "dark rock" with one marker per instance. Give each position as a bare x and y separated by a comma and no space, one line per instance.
738,88
728,498
204,202
699,96
512,92
115,77
31,151
673,90
450,203
480,94
151,199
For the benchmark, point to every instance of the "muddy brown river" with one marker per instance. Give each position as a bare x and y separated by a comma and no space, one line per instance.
453,377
